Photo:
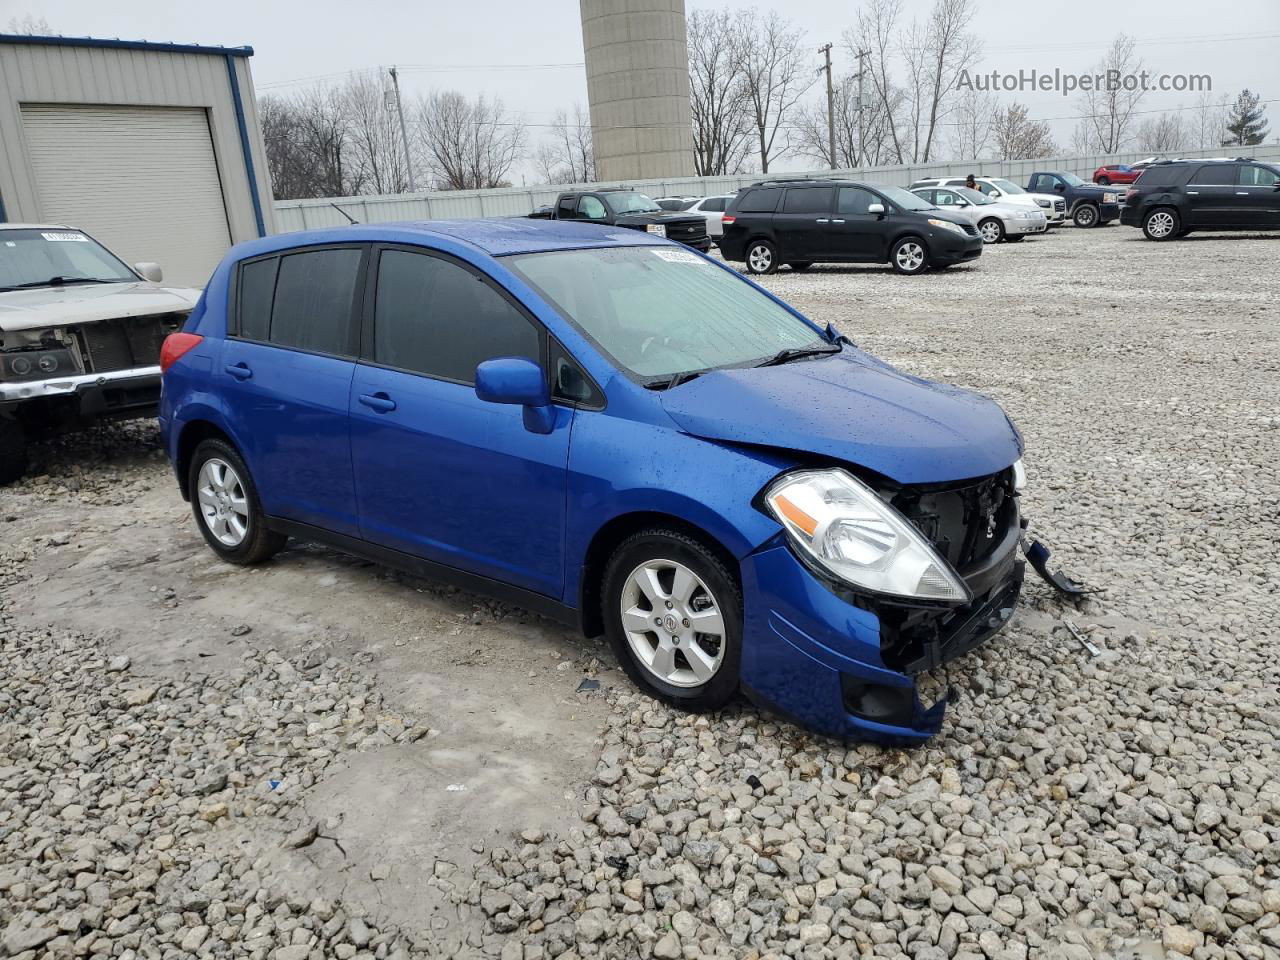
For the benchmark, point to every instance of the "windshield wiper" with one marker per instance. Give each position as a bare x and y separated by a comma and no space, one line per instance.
666,383
797,353
58,282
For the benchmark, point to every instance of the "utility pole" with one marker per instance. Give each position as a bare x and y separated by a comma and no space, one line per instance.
861,75
404,134
831,106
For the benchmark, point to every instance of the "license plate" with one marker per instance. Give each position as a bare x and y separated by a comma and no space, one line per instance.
657,228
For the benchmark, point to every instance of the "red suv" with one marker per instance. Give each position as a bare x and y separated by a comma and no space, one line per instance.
1116,173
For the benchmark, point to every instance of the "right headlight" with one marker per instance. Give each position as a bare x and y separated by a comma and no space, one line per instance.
947,225
841,525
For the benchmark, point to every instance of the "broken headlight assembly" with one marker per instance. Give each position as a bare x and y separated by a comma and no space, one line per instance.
35,355
843,527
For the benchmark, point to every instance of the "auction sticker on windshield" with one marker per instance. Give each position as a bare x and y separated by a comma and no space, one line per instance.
65,237
678,256
658,228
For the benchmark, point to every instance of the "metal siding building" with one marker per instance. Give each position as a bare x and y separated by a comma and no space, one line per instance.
637,60
154,149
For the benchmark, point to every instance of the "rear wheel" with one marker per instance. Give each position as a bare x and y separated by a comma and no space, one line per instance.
1086,215
1104,181
761,257
1162,224
1017,239
673,614
909,256
228,511
992,230
800,265
13,450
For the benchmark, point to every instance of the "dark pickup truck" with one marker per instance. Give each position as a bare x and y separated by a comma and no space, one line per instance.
627,208
1087,205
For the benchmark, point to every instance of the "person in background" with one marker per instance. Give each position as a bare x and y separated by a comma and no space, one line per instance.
971,183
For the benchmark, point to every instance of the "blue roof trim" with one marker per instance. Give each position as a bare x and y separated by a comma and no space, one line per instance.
22,39
244,144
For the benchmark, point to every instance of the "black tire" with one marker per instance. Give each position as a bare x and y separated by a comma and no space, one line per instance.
999,231
660,544
1017,239
800,265
765,258
258,543
1085,215
1103,181
13,451
1162,223
916,266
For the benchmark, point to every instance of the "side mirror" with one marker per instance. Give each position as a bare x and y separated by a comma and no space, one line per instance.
518,380
876,208
149,271
1059,187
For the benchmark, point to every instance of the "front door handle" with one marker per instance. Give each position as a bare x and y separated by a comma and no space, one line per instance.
240,371
822,220
1193,193
1242,193
837,221
378,401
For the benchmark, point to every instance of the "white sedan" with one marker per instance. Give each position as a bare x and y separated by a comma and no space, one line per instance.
712,210
996,220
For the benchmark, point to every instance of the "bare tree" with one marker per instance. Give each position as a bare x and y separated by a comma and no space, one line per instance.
717,94
308,146
775,76
936,53
566,155
1108,110
975,115
468,144
1014,137
1166,133
373,133
859,141
875,32
30,26
1207,123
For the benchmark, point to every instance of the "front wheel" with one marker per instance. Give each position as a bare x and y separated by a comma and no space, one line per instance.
228,511
673,614
909,256
1162,224
1103,181
992,230
1086,215
13,451
761,257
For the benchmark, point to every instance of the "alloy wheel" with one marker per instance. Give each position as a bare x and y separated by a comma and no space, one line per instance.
1160,224
223,503
760,258
990,231
673,623
910,256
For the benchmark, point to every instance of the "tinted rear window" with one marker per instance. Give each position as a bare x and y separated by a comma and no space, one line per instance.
808,200
1159,176
759,201
313,301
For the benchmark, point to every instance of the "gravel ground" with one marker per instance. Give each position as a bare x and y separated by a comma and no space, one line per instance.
1075,806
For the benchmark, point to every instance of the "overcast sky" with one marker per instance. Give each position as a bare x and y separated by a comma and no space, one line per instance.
491,46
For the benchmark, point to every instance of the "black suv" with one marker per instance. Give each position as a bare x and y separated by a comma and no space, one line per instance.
1174,197
802,222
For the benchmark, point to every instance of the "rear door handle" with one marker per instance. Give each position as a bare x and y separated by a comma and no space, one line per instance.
837,221
240,371
378,401
1193,193
1242,193
823,220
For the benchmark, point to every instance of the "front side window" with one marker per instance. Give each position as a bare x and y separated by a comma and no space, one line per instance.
1251,176
976,197
807,200
855,201
943,198
905,199
657,311
435,317
42,258
315,291
592,209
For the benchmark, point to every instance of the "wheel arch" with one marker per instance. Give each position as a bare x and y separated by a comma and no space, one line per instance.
907,233
193,433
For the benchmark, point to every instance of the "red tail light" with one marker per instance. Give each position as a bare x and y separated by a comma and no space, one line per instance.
728,219
177,345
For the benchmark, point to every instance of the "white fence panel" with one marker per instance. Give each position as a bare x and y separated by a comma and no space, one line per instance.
518,201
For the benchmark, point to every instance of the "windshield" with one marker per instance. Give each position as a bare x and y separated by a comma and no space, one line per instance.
659,311
37,258
1072,179
628,202
1007,186
906,199
976,197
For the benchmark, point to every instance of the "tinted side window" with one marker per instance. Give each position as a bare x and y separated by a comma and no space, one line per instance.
564,209
257,288
759,201
432,316
1159,176
314,292
807,200
1251,176
855,200
1215,174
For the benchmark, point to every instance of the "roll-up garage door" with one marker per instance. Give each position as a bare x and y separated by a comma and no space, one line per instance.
142,180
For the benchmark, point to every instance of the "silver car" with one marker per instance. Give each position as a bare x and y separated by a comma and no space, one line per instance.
994,219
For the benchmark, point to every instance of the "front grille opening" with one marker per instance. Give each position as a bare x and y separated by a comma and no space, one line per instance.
966,522
125,343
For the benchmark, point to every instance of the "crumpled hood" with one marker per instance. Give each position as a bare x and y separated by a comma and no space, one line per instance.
86,302
852,408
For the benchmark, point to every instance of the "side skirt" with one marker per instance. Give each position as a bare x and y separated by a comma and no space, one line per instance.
429,569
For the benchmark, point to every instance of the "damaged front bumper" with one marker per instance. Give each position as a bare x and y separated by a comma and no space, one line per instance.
844,663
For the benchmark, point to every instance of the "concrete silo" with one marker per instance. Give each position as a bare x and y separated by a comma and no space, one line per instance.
638,88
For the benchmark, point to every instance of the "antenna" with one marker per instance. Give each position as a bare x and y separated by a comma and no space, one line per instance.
349,217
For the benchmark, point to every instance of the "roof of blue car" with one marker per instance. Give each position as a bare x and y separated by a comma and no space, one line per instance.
495,236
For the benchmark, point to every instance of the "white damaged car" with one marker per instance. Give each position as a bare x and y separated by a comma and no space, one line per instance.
80,335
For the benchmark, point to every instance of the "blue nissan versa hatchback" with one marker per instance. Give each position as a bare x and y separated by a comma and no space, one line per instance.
607,427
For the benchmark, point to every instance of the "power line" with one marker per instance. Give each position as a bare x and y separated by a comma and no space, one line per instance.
425,68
